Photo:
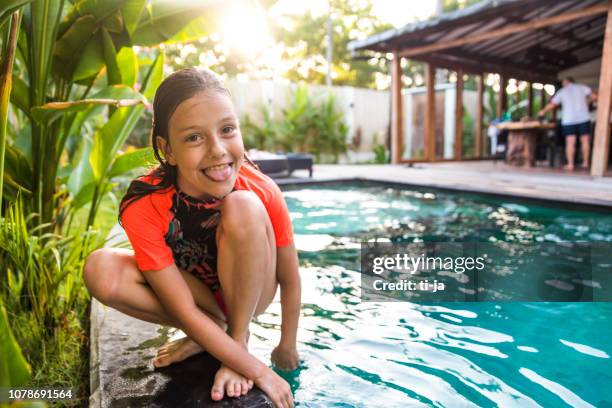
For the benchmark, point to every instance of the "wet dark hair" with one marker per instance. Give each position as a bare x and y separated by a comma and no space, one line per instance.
175,89
570,79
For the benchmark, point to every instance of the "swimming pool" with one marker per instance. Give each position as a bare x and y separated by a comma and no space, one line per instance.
400,354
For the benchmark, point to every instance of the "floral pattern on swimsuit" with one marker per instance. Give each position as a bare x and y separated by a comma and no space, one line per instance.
192,236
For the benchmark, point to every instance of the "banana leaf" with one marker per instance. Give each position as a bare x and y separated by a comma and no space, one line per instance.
161,20
131,160
127,63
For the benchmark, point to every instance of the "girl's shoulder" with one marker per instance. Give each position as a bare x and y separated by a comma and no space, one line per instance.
251,178
147,202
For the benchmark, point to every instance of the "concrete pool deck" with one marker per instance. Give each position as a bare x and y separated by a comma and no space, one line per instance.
540,183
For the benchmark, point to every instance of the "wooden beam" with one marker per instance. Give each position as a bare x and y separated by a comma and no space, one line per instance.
397,113
507,30
513,66
502,97
530,99
458,145
601,146
479,114
478,67
430,112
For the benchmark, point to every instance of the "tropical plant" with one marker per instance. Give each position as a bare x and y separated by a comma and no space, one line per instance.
262,137
380,154
304,126
78,90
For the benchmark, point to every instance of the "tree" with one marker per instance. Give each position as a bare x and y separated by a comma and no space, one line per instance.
304,38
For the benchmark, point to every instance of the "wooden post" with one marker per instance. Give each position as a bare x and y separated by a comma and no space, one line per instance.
459,117
601,145
530,99
479,114
543,99
397,128
502,97
430,112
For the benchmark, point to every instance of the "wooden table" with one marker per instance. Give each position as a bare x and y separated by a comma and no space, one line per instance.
522,139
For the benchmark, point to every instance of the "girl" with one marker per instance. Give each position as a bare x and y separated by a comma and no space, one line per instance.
212,239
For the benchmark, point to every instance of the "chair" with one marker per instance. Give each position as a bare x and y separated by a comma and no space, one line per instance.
300,161
278,166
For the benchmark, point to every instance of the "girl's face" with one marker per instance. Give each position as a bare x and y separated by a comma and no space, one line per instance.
205,144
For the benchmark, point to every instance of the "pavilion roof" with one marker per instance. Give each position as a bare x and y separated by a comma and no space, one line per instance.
541,38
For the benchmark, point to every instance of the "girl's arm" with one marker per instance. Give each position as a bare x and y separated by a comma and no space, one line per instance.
285,355
176,297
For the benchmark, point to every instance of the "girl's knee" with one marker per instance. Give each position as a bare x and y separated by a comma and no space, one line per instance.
101,273
243,213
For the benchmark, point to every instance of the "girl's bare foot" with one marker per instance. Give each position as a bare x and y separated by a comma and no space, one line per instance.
568,167
230,383
175,351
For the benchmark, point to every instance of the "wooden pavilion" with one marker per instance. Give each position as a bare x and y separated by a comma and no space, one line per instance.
528,40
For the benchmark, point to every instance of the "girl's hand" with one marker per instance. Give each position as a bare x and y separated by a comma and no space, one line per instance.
285,358
275,387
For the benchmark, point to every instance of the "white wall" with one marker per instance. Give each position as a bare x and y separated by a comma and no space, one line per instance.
364,109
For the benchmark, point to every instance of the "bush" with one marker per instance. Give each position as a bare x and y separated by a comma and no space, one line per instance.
305,127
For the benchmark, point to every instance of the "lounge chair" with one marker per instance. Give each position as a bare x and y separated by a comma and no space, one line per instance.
282,164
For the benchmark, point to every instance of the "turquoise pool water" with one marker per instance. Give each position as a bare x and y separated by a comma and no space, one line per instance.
400,354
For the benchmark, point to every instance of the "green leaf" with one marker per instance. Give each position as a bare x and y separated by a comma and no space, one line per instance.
162,19
91,61
20,95
17,167
111,137
110,59
131,11
128,66
153,78
69,48
113,23
198,28
45,15
84,196
100,9
81,173
7,7
14,369
131,160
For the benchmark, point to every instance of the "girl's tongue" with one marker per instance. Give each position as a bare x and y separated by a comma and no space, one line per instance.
219,173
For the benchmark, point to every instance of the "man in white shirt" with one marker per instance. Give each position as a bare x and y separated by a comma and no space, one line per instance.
575,119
